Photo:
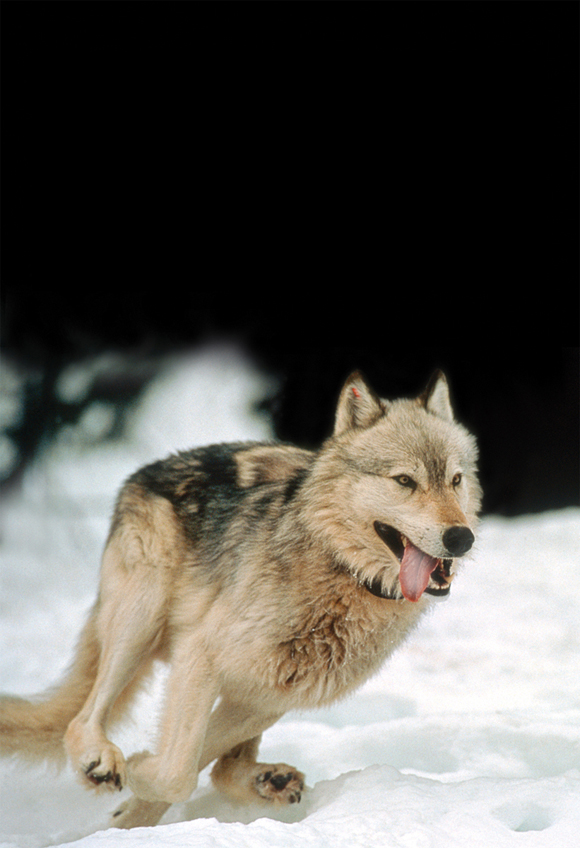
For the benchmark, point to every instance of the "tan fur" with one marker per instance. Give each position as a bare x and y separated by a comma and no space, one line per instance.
248,568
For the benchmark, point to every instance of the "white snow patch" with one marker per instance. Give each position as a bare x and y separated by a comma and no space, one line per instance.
469,736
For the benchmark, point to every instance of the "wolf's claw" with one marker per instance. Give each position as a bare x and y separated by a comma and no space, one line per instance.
106,773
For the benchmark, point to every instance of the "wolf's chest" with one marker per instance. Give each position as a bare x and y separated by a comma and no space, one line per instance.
331,654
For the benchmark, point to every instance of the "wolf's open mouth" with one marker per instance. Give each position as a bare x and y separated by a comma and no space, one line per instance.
419,571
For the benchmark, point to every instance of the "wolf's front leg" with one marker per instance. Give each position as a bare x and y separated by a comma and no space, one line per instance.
170,775
238,775
134,812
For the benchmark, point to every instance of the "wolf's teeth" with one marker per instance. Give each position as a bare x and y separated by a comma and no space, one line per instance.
404,540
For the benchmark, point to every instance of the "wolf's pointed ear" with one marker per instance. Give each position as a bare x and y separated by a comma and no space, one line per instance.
435,398
358,405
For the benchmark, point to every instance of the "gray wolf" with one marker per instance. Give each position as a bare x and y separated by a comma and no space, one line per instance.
269,578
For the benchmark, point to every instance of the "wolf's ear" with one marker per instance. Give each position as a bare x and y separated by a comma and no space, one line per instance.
435,398
358,405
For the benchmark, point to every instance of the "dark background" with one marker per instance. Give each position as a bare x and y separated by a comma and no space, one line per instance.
521,400
394,198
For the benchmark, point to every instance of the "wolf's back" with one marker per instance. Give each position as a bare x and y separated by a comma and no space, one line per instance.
35,729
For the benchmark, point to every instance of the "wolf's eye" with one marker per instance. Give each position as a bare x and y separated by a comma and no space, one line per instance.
406,481
457,479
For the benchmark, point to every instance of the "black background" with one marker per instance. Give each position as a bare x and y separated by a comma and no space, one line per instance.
395,197
521,401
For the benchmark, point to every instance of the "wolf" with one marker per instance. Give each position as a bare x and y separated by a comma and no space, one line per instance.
270,578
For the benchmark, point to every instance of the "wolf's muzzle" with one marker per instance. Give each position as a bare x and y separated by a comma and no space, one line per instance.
458,540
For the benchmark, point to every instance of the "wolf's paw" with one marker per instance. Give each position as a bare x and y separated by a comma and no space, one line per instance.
152,779
279,783
134,812
104,767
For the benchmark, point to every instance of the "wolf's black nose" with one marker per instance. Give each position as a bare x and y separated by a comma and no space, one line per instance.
458,540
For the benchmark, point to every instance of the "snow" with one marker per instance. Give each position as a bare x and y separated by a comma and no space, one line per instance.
469,736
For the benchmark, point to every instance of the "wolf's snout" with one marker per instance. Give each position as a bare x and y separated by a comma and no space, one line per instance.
458,540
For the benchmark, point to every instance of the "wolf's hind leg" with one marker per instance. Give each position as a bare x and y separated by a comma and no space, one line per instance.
97,759
129,620
240,777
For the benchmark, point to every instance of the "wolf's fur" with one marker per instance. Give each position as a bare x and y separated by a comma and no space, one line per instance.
267,577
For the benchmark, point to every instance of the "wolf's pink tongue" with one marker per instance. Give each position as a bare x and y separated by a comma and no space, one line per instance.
416,568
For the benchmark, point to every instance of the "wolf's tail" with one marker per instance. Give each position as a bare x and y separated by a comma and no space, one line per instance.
35,729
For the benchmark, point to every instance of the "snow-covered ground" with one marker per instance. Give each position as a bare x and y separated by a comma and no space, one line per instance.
470,736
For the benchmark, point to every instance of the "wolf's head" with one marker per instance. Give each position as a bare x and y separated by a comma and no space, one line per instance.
401,496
